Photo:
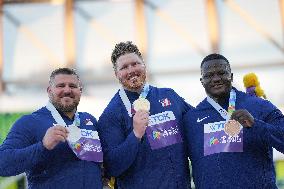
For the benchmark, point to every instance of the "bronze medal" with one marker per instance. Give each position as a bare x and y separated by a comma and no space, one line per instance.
232,128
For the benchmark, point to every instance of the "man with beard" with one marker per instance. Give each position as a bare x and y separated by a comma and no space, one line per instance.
140,129
230,134
48,145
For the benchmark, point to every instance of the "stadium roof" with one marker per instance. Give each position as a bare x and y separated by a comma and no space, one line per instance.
40,35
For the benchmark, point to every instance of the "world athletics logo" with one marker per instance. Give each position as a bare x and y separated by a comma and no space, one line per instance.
156,135
76,146
213,141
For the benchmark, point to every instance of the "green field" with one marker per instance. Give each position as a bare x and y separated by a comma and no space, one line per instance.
6,122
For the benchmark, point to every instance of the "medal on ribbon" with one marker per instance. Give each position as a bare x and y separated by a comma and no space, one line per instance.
86,147
142,103
232,127
139,104
223,136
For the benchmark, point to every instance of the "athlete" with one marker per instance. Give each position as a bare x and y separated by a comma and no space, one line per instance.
140,129
230,134
56,146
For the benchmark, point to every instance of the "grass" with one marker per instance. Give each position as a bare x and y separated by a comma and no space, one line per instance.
6,122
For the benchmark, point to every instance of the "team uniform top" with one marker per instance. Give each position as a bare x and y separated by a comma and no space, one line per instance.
137,164
250,167
23,151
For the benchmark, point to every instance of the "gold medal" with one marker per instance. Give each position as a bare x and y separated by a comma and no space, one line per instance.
232,128
141,104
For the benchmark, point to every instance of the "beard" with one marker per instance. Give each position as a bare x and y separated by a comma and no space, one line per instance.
64,108
134,85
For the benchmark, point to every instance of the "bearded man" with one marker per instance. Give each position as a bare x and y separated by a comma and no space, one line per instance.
50,145
140,129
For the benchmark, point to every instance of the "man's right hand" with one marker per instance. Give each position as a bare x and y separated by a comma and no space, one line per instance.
140,123
53,136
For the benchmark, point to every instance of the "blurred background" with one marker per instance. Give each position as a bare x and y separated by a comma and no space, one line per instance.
37,36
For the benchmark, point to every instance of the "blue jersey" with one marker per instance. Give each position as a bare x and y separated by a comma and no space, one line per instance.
133,162
23,151
251,168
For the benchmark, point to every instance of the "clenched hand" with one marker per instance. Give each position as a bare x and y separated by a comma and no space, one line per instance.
53,136
140,122
243,117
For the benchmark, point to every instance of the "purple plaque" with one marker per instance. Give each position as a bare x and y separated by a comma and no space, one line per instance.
216,140
163,134
88,149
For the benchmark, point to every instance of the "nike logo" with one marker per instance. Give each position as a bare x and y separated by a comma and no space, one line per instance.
199,120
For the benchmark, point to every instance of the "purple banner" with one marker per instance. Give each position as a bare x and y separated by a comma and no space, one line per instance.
88,149
219,141
163,134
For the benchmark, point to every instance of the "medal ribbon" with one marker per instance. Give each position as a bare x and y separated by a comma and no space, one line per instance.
126,101
145,91
57,117
232,105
